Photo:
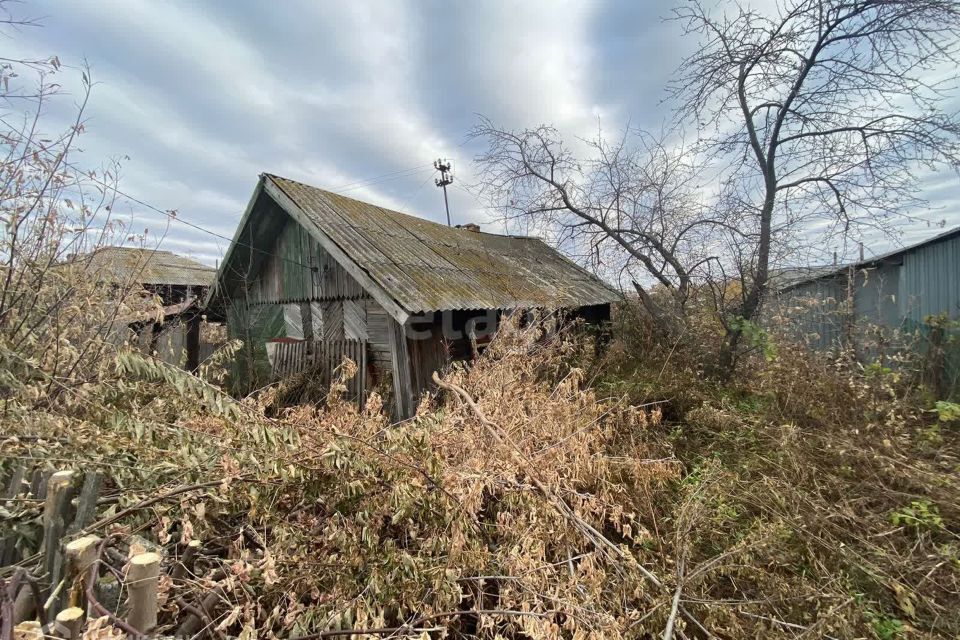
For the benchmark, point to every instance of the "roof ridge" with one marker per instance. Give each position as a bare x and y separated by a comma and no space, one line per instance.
394,211
195,264
411,265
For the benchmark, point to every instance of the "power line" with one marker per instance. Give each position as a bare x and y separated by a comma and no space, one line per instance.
402,173
410,195
171,215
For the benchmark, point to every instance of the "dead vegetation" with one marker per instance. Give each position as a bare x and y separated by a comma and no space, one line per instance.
527,499
541,493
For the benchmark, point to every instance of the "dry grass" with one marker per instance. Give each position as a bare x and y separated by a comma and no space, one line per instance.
804,502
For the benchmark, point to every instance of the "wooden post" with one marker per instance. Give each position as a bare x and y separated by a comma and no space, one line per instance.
80,555
8,545
56,514
38,483
193,343
142,577
87,501
69,623
25,605
16,483
402,383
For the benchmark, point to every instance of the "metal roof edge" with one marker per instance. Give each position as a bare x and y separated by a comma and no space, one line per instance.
864,264
617,294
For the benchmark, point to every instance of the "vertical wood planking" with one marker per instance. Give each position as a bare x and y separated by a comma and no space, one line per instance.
325,356
400,361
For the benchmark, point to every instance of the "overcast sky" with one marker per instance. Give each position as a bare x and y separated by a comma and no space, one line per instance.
356,97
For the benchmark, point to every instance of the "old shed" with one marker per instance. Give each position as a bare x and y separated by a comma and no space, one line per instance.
312,276
179,282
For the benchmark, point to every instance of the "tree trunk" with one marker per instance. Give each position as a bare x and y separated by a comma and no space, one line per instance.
727,360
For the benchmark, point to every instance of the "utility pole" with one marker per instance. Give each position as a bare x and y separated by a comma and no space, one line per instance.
446,177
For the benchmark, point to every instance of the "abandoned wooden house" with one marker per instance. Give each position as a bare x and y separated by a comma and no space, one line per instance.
180,283
312,276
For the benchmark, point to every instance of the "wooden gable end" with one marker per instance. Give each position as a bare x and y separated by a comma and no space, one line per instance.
292,302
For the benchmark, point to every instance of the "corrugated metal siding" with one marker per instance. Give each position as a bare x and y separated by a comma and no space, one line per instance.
892,299
878,296
930,286
815,312
930,282
426,266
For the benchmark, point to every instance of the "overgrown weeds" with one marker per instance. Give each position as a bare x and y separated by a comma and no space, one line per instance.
804,501
832,497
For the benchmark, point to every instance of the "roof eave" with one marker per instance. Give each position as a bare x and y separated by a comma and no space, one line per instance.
215,288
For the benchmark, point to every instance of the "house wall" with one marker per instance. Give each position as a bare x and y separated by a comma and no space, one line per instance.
297,291
280,285
814,312
930,281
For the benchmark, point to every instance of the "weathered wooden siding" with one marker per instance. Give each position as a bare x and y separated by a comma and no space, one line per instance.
297,291
296,269
403,396
378,323
291,357
427,354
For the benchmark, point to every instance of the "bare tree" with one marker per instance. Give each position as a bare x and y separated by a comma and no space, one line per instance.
627,208
56,316
823,115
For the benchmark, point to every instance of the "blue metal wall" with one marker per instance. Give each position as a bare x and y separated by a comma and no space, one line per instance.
930,281
893,299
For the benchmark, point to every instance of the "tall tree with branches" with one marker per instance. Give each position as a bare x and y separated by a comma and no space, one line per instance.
626,207
824,114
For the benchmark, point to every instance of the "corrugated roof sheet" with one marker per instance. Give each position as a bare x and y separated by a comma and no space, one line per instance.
425,266
790,277
147,266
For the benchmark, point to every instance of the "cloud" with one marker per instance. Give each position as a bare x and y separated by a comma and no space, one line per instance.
362,96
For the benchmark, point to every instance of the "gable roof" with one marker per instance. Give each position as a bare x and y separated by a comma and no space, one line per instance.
411,265
146,266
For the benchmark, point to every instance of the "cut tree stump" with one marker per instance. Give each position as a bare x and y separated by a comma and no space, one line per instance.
185,567
56,515
142,577
30,630
69,623
80,554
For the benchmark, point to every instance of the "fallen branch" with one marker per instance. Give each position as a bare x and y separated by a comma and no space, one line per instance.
143,504
199,614
21,608
675,605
